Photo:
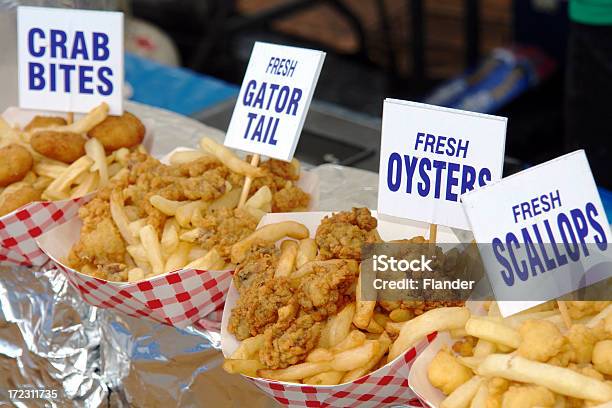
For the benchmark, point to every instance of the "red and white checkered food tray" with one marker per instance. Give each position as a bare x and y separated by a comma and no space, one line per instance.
180,298
388,385
20,228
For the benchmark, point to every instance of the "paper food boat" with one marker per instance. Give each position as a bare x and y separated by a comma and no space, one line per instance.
180,298
386,386
20,228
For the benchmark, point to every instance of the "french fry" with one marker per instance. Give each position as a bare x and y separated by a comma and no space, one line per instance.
184,213
192,235
168,207
120,218
338,326
170,238
374,327
296,372
394,328
561,380
286,261
354,339
307,251
93,118
383,346
401,315
114,169
245,367
121,156
89,185
69,175
463,395
196,252
255,212
135,274
135,227
150,242
271,233
208,261
444,318
227,157
356,357
319,354
365,308
227,200
48,169
42,182
186,156
326,378
483,348
179,257
481,396
249,347
493,331
381,319
95,151
471,362
138,253
262,199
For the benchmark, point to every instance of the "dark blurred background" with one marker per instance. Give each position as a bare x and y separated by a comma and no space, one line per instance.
496,56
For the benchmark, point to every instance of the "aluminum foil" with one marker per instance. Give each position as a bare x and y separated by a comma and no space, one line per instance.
51,340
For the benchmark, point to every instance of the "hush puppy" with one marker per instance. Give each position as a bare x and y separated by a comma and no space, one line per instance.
15,162
45,121
62,146
116,132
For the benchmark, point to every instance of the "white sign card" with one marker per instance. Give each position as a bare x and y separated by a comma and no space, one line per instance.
273,101
430,155
542,233
70,60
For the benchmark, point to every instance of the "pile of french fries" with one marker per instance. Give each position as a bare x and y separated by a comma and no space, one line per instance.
361,338
60,181
508,365
177,248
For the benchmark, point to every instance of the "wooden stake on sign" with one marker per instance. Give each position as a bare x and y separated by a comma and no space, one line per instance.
564,313
70,118
247,182
433,232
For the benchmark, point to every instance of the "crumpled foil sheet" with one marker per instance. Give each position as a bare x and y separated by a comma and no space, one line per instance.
50,339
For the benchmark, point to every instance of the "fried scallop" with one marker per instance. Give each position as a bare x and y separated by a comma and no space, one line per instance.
62,146
15,162
44,121
21,196
116,132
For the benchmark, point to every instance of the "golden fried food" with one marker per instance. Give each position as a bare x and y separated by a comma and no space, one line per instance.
341,235
181,208
15,162
40,121
447,373
21,196
281,177
540,340
527,396
65,147
298,322
116,132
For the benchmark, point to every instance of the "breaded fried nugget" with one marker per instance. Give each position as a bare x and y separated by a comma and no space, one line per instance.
116,132
22,196
45,121
15,162
61,146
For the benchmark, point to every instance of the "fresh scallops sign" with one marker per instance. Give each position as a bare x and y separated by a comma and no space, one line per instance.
274,98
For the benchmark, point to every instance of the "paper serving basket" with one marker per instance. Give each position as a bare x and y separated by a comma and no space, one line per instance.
180,298
387,386
20,228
